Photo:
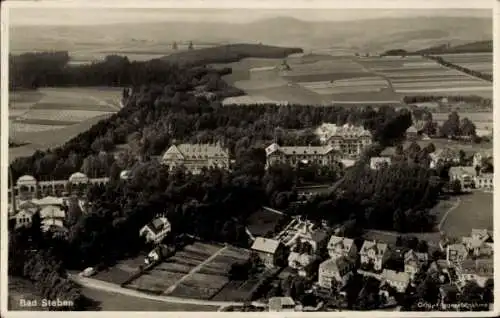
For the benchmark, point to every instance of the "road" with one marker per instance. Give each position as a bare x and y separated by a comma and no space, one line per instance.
453,207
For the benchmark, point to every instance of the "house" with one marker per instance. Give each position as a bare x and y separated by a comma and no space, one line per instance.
338,269
267,249
195,157
156,230
414,261
23,218
480,271
397,280
349,140
480,243
456,253
412,133
281,304
477,159
341,246
52,212
306,234
484,181
49,200
465,175
374,255
293,155
379,162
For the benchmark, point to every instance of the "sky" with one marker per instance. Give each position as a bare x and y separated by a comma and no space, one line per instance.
93,16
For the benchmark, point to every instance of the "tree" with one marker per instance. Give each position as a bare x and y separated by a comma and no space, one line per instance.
467,128
456,186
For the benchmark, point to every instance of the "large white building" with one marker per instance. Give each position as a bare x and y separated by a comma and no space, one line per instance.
195,157
292,155
350,140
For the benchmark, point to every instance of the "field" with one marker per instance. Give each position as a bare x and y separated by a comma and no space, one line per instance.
480,62
474,212
482,120
34,116
199,271
415,75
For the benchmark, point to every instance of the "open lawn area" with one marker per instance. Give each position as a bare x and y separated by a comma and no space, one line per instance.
122,271
475,211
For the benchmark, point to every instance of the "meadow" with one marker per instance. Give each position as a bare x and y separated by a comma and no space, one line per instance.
481,62
35,116
475,211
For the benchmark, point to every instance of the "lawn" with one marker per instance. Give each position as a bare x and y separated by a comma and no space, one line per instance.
474,212
262,221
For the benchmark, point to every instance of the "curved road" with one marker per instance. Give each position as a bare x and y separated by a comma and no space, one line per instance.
109,287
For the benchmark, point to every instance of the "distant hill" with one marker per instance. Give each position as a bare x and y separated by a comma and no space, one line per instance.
229,53
473,47
369,35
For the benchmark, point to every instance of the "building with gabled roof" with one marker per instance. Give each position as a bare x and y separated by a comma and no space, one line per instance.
267,249
281,304
414,261
397,280
341,246
195,157
456,253
349,139
374,255
379,162
156,230
293,155
338,269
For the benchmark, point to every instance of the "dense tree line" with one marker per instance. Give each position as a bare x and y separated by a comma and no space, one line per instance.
440,60
398,198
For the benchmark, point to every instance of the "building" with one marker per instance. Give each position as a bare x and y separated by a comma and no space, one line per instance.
414,261
267,249
305,234
195,157
156,230
379,162
477,159
281,304
350,140
479,271
456,253
464,174
293,155
23,218
28,188
397,280
411,133
374,255
479,244
335,269
484,181
342,247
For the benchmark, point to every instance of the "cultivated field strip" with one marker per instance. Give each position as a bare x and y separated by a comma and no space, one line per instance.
354,85
27,128
62,115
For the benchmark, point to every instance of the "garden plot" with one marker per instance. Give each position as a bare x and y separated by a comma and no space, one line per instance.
155,282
